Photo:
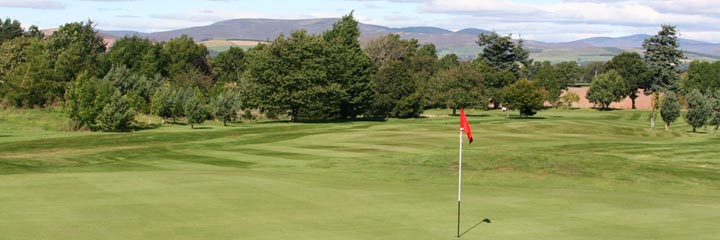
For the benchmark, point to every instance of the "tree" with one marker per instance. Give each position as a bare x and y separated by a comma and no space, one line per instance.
349,68
607,88
715,116
10,29
591,70
229,65
162,102
670,109
129,52
502,54
182,55
25,76
290,74
388,48
662,57
699,109
226,105
525,96
460,86
85,99
117,114
569,98
396,93
194,111
703,76
448,61
633,70
494,82
75,48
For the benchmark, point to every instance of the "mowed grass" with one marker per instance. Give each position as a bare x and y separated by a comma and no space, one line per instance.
578,174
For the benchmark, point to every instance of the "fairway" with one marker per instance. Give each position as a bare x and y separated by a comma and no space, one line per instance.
564,174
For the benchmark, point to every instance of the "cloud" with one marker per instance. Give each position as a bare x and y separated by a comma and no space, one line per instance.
34,4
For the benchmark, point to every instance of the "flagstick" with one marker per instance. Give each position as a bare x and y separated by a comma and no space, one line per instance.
459,182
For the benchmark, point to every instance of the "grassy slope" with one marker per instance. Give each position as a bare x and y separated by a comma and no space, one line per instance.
570,175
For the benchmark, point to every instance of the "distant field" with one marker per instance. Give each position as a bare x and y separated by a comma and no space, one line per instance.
564,55
578,174
220,45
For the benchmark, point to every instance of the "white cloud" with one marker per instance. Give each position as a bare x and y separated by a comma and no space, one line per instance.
34,4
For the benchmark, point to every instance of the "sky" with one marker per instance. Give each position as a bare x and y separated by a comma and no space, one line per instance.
544,20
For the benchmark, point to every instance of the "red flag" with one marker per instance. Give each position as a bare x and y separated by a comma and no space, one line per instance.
464,125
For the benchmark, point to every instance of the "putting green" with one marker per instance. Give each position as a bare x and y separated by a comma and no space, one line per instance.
565,175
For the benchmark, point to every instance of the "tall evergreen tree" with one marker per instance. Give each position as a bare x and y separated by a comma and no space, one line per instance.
662,57
502,54
349,67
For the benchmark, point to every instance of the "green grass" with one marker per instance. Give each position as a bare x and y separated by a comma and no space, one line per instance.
577,174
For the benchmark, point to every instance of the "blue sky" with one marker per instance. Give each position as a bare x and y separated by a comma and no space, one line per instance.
549,20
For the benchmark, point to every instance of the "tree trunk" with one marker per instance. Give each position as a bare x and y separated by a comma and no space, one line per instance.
667,126
693,129
293,115
224,123
192,126
633,101
454,111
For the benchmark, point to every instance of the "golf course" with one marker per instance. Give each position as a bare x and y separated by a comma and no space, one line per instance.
563,174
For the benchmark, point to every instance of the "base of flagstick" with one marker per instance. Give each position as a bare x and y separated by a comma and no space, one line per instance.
458,226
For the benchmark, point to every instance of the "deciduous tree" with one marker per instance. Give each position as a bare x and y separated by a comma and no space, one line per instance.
633,70
525,96
607,88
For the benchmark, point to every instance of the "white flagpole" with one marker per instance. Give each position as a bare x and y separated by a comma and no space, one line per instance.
459,182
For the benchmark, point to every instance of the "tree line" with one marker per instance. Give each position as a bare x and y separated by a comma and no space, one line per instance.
308,77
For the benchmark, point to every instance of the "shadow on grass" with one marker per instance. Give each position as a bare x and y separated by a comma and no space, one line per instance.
528,118
474,226
470,115
203,127
607,109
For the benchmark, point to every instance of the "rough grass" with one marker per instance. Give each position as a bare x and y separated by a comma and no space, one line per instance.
578,174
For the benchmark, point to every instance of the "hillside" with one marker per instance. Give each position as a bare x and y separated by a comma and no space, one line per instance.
461,42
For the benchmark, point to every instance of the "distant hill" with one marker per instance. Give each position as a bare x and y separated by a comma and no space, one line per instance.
460,42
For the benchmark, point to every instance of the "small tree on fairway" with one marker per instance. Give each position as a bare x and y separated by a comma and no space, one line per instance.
162,103
715,116
117,115
194,111
226,106
607,88
525,96
569,98
698,109
670,109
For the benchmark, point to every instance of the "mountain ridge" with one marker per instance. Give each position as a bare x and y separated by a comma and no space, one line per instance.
461,42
